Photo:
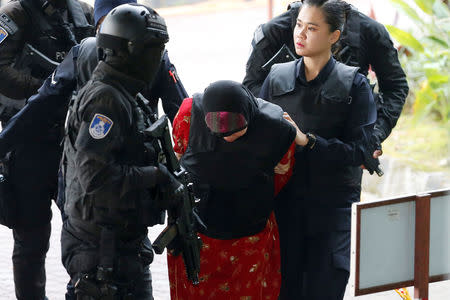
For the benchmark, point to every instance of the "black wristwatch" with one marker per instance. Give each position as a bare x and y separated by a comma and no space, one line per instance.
311,140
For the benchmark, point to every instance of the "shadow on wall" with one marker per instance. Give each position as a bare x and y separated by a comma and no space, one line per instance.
167,3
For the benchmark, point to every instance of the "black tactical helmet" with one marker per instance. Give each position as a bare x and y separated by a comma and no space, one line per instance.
131,28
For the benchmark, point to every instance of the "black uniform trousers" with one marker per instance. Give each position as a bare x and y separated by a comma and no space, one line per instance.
33,176
80,256
314,264
30,248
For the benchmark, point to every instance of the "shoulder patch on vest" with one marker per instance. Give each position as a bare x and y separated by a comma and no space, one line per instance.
7,24
3,34
100,126
258,36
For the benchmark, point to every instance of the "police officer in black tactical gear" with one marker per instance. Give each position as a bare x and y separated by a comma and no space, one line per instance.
365,43
333,106
34,37
111,172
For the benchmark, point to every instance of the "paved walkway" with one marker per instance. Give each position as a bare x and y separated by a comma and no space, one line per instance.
57,277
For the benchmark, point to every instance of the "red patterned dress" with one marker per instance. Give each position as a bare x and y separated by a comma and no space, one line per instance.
247,268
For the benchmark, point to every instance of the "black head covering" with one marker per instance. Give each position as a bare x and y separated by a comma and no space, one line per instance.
228,107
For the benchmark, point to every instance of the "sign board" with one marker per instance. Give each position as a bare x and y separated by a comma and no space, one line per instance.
395,242
439,236
382,248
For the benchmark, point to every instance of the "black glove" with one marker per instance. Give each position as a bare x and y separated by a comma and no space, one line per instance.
375,142
171,189
372,164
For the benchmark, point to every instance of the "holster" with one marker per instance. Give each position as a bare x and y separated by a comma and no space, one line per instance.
87,288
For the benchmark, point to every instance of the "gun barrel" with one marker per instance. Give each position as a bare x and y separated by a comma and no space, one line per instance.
191,258
379,172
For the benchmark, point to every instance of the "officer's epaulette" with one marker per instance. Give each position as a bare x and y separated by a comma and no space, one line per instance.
258,36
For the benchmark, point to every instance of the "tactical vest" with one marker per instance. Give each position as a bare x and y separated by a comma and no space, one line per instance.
87,210
50,35
235,180
322,110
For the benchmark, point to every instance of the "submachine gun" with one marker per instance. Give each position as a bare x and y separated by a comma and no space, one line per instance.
180,235
29,59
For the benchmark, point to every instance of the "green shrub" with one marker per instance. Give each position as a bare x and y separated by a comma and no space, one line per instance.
425,56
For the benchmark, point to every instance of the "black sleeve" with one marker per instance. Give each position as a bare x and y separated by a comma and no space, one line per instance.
348,150
97,156
15,84
44,109
260,54
391,78
267,40
168,87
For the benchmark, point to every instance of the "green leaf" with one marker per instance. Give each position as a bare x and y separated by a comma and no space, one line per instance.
437,41
424,102
440,9
430,70
438,78
444,24
405,38
408,10
425,5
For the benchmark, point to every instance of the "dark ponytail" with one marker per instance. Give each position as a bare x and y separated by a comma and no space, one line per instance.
337,47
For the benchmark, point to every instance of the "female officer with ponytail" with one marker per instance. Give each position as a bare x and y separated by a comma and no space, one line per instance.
332,107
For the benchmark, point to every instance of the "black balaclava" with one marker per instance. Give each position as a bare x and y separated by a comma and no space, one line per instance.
228,107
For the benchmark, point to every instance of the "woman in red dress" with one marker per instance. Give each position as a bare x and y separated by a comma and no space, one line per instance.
231,143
